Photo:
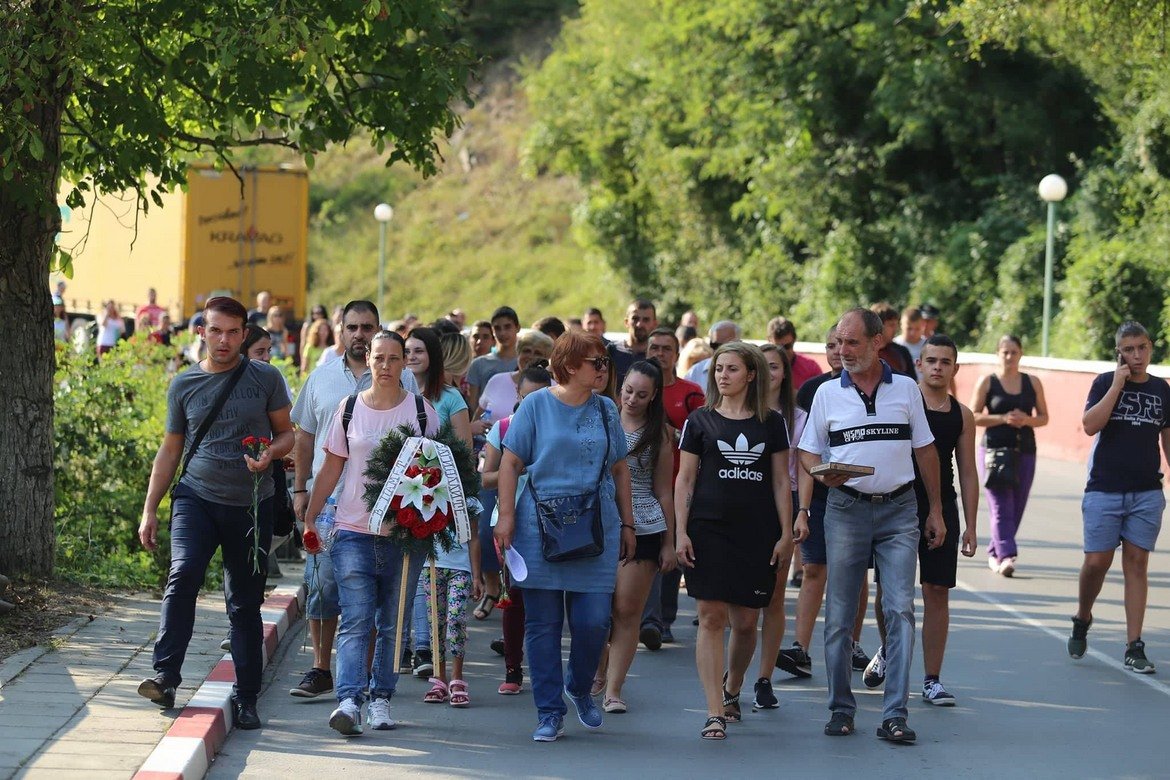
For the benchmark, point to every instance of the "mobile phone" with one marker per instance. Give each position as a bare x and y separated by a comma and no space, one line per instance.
1120,359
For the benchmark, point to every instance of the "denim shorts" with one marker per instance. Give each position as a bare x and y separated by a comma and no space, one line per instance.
1111,517
812,549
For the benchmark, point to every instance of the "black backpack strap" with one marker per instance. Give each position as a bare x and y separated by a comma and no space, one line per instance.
346,416
421,411
216,408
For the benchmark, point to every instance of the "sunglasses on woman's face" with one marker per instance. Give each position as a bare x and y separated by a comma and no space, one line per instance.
598,363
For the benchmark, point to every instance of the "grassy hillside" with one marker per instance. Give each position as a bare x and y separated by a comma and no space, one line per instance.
478,235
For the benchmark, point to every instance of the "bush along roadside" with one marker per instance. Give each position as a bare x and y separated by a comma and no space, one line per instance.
109,421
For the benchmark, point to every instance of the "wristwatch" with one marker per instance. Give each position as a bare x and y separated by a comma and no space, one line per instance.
804,509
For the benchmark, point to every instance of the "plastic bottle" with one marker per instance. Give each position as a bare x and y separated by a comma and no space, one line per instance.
318,542
325,523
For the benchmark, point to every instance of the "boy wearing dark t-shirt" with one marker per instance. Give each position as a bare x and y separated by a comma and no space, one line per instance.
1127,410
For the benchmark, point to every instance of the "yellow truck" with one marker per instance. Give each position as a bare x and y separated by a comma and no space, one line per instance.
218,237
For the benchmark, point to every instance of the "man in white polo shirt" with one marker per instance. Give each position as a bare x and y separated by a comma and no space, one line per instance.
871,417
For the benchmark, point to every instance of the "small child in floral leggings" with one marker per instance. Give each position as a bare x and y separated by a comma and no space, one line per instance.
456,587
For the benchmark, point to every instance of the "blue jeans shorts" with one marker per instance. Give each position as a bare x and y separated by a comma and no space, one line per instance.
1111,517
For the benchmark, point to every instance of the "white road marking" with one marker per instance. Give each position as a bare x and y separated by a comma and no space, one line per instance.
1096,654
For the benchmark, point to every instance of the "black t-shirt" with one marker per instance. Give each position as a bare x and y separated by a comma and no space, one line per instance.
947,427
623,357
1125,456
735,465
804,399
804,395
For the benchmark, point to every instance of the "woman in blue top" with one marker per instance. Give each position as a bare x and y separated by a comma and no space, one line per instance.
424,359
559,436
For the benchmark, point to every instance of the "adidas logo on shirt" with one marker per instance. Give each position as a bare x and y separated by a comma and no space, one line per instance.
741,454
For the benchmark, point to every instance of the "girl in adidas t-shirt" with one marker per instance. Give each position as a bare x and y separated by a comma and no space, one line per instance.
733,519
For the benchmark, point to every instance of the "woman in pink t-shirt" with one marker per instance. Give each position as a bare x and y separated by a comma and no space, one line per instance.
367,565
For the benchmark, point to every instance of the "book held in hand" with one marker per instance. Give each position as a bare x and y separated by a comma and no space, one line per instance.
846,469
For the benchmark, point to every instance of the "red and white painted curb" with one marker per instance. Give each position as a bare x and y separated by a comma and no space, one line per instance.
198,733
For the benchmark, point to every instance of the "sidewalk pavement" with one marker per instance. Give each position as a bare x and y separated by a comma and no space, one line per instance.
70,707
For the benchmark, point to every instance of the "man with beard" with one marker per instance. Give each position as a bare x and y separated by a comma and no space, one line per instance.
641,318
871,417
313,413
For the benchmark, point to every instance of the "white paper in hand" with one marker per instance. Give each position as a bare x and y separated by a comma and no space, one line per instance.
516,565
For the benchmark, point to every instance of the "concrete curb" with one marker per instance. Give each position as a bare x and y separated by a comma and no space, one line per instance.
195,738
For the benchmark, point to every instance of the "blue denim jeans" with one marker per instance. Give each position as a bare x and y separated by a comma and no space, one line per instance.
198,527
544,620
368,570
321,586
854,528
420,628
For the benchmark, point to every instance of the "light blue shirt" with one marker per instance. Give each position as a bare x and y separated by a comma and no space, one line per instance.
563,448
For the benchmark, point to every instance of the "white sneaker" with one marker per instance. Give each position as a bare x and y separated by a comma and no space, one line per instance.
1007,567
347,718
379,716
934,693
993,564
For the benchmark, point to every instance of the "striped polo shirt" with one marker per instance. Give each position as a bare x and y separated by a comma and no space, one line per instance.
847,426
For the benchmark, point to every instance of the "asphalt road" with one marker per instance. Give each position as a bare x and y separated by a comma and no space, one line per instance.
1025,709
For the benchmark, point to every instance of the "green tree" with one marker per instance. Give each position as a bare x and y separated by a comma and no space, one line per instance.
804,151
121,95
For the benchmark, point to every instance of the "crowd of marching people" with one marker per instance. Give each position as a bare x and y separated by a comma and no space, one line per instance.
614,473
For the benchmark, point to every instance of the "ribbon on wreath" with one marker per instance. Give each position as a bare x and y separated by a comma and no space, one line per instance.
449,483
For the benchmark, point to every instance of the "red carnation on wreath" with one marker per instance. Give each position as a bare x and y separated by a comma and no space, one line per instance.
420,516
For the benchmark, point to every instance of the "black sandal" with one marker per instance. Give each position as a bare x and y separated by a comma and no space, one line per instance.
896,730
714,728
485,606
732,712
840,725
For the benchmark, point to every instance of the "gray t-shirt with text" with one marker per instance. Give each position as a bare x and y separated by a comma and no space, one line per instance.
217,471
486,366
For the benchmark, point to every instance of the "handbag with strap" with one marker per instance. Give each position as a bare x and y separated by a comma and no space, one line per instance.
1001,466
207,422
570,526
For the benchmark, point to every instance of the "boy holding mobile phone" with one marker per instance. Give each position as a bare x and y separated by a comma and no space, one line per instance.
1123,503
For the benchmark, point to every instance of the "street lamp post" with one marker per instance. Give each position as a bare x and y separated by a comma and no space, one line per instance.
1052,189
383,212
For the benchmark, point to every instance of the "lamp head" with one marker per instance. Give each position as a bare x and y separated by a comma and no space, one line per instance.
1053,188
383,212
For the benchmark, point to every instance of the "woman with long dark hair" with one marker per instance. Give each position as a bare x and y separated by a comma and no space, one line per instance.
733,510
651,467
781,399
424,359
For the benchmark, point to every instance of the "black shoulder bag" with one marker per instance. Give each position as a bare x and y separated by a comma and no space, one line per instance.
570,526
207,422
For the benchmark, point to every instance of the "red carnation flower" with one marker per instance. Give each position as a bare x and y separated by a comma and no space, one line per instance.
265,441
437,524
408,517
413,470
428,499
396,502
420,531
248,441
434,476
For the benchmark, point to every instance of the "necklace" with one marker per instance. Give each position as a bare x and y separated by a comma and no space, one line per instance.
938,408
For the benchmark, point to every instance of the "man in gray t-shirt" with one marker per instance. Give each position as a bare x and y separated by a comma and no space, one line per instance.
216,471
212,505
